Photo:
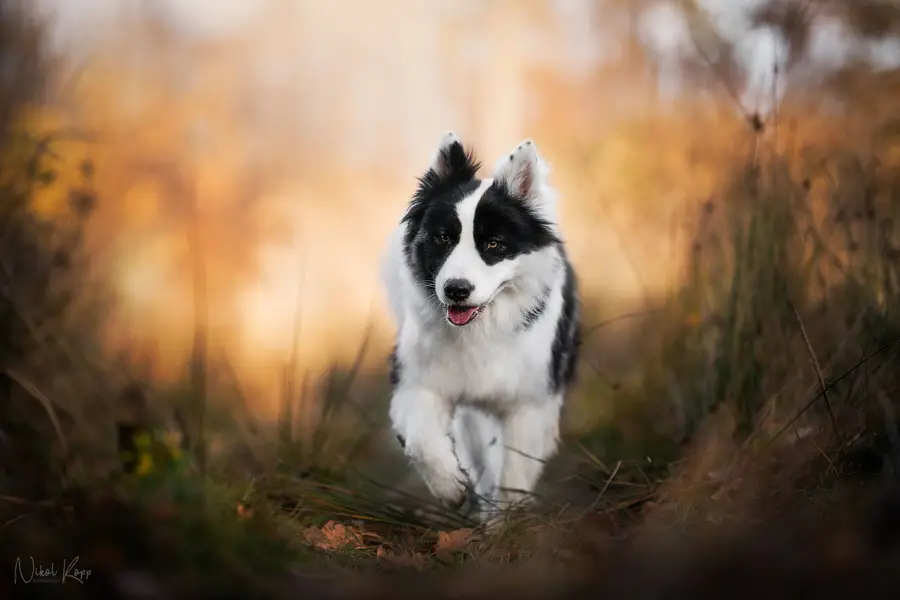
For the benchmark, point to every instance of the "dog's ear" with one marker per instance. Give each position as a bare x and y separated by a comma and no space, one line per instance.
452,162
451,165
524,174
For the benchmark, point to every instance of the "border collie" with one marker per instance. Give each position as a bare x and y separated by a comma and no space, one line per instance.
488,327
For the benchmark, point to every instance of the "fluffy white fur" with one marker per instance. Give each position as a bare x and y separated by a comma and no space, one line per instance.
473,403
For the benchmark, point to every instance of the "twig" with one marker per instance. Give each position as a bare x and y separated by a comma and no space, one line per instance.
605,487
526,455
17,518
24,502
815,362
40,397
693,10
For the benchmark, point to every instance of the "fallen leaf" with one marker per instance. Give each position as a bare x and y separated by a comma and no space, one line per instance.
449,541
313,535
413,560
334,535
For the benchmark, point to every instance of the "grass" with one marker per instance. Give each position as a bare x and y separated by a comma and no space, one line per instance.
760,394
766,388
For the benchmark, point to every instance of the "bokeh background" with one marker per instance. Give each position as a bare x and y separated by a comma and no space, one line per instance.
298,130
203,191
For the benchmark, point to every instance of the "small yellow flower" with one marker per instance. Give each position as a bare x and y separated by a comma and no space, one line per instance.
172,443
145,464
172,439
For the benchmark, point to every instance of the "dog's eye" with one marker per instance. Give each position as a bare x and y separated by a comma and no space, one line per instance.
492,245
443,238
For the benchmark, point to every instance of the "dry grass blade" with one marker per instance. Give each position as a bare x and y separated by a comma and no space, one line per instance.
815,363
830,386
199,363
318,498
606,486
35,393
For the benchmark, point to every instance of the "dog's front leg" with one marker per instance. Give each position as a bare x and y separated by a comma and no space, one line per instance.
421,420
531,435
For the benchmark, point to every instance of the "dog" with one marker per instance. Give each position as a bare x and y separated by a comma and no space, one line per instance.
488,330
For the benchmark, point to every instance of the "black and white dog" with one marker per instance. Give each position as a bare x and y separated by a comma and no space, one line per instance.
488,326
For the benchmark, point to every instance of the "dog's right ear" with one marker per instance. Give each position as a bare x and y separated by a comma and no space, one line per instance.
452,162
452,165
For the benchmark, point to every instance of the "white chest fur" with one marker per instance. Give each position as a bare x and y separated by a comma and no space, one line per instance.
491,363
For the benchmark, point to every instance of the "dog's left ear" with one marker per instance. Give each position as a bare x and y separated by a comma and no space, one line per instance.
523,173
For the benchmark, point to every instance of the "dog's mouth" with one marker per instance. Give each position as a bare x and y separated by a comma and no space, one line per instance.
462,315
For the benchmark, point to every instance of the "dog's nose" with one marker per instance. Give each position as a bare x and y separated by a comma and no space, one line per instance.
458,290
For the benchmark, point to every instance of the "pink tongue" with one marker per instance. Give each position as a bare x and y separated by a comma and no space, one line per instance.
459,315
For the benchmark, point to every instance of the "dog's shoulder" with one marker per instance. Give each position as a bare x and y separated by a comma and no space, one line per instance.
567,338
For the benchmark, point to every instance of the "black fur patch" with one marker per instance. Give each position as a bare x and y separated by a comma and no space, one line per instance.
510,225
432,227
395,367
534,313
567,342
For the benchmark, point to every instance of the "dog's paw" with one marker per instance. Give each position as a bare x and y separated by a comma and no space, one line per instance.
448,485
451,492
440,470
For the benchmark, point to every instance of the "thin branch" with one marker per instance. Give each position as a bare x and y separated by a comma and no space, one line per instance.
818,369
605,486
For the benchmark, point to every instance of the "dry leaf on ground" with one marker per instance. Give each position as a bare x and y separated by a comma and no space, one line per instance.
334,535
449,541
412,560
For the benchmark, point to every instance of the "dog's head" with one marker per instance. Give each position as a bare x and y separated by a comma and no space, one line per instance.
469,240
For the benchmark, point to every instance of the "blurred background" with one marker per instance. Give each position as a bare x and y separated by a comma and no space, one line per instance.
298,129
200,194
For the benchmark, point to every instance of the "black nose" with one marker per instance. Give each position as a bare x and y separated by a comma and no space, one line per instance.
458,290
